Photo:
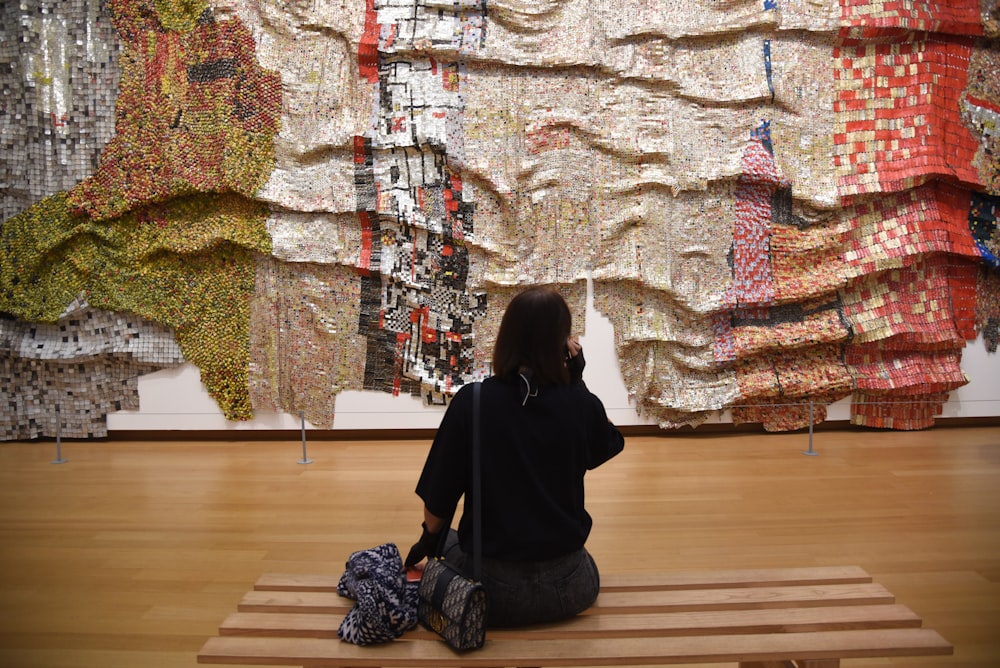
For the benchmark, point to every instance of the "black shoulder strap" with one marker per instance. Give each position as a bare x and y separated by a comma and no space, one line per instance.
477,497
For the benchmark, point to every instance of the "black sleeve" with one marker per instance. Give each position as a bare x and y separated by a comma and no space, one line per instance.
445,474
575,366
606,440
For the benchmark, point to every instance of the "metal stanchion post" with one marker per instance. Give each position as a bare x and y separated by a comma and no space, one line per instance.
810,451
59,458
305,458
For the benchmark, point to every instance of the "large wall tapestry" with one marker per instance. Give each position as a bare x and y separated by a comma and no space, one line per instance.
781,203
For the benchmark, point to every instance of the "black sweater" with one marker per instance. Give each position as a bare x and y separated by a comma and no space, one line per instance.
534,457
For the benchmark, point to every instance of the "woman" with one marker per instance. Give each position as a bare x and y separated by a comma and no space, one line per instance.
541,430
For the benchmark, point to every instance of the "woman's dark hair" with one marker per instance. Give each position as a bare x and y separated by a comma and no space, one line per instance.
533,334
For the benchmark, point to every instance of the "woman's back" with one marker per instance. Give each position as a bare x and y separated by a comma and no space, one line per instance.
535,452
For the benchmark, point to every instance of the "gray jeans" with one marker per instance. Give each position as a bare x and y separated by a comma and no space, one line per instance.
523,593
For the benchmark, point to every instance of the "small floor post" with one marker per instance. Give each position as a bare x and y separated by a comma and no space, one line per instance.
810,451
305,457
59,458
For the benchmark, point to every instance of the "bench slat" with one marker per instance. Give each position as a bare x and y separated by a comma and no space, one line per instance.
618,602
295,601
296,582
762,577
765,577
580,652
612,626
740,598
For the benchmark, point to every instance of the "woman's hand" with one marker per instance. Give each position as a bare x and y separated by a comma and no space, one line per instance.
574,360
422,549
429,537
573,346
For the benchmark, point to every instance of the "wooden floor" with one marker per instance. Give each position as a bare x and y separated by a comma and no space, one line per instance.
130,553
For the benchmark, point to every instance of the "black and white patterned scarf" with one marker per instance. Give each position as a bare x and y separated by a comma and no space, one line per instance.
385,603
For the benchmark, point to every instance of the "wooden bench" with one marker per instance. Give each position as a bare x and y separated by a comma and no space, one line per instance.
806,617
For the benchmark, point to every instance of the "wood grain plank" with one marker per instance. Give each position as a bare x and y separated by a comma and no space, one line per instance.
613,626
759,577
623,602
579,652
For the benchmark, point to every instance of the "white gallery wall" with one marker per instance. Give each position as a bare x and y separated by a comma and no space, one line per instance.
174,399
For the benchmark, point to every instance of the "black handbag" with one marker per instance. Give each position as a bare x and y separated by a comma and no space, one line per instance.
450,603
